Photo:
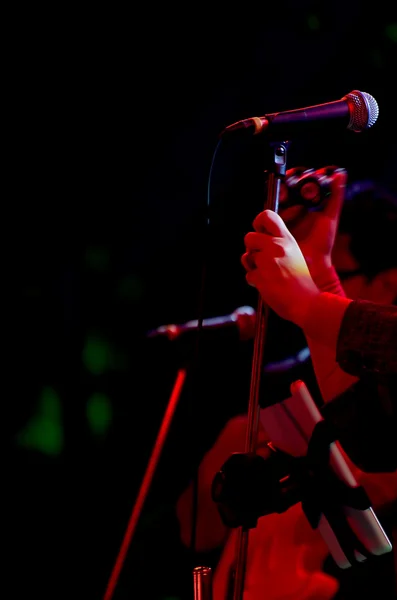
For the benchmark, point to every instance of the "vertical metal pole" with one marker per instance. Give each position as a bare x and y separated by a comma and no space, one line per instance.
202,583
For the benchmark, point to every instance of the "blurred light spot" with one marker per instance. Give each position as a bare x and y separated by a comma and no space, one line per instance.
119,361
313,22
376,58
391,32
131,288
97,258
99,413
96,354
44,431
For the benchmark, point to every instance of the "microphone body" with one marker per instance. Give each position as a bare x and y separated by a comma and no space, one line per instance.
243,318
356,111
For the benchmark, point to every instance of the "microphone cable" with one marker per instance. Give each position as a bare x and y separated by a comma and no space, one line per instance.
180,380
197,354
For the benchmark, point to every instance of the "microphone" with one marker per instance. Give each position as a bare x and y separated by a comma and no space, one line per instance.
356,111
288,363
243,317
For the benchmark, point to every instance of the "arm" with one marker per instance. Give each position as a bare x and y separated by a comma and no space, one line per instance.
286,279
345,363
361,334
315,232
366,423
365,413
332,380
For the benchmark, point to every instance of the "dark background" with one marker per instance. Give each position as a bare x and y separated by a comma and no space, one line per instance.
114,116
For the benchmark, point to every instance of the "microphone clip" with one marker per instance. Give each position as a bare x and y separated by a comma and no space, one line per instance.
249,486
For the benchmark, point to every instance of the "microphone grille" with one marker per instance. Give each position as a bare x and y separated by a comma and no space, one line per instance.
364,110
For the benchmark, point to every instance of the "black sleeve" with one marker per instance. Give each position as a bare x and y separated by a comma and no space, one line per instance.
365,419
367,339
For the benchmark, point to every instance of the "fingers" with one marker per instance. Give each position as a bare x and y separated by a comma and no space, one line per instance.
333,206
257,242
254,241
268,225
252,278
248,261
270,222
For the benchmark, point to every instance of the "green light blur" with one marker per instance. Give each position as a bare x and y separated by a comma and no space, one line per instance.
97,258
130,288
377,58
44,431
99,413
119,361
391,32
96,354
313,22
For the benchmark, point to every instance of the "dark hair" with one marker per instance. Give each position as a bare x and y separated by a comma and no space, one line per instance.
369,215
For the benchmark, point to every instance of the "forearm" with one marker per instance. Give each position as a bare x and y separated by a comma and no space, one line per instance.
321,319
362,334
366,424
332,380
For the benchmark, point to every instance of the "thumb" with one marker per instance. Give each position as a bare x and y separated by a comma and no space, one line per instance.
268,221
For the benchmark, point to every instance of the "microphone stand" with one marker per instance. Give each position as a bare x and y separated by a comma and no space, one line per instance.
275,178
202,576
146,481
